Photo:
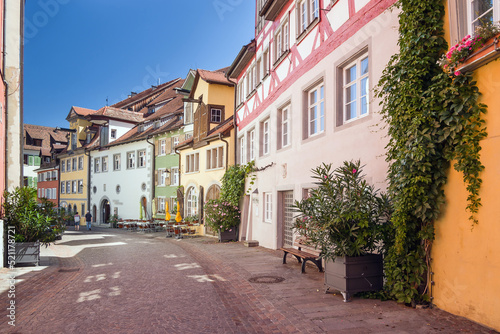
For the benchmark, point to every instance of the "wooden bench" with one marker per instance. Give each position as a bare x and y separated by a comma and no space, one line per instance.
302,256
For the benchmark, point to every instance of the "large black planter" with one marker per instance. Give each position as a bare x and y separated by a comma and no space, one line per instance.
27,252
352,274
229,235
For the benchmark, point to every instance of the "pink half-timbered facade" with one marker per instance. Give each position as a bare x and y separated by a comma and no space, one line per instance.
305,96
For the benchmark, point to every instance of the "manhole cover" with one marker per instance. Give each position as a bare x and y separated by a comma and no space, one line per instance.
68,270
266,279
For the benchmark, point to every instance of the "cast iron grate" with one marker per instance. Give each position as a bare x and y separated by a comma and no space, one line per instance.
68,270
266,279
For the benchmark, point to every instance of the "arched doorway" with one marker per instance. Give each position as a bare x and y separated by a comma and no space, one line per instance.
105,211
213,192
144,205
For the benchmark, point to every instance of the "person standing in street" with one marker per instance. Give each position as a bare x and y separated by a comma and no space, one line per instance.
77,221
88,218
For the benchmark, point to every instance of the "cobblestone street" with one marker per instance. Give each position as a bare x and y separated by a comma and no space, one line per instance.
114,281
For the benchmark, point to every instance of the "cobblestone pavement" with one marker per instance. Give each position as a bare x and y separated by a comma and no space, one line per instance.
114,281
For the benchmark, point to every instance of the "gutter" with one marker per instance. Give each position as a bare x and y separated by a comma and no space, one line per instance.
234,119
88,181
6,85
153,192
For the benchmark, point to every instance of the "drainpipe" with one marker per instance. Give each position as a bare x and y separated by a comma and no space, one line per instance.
234,119
88,180
6,85
227,149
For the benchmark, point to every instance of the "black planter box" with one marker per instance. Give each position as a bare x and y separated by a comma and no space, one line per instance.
352,274
229,235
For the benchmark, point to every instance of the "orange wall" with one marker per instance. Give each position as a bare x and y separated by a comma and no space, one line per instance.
466,259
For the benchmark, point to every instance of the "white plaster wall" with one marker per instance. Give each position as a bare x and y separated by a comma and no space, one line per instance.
361,139
127,201
120,127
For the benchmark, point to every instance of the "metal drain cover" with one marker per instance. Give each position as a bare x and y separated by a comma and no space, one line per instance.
266,279
68,270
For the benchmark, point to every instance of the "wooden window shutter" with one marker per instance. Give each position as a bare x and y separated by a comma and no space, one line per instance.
168,145
156,205
196,125
157,142
204,121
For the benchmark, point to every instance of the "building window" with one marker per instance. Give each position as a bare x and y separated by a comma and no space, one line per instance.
356,89
175,142
284,127
105,164
74,163
268,206
265,138
73,141
54,175
63,188
68,187
162,147
162,174
242,151
265,63
130,160
74,186
308,11
188,113
80,163
191,202
480,13
117,161
215,115
161,204
251,145
68,165
281,40
192,162
215,158
97,165
316,110
63,166
80,186
113,133
141,159
174,176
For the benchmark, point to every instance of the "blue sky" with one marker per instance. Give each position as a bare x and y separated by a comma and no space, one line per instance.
80,52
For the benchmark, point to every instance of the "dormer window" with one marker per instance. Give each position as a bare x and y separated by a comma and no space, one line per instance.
113,133
73,141
216,115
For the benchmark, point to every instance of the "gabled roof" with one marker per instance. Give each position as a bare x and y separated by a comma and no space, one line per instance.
123,115
78,111
242,59
212,77
166,95
49,137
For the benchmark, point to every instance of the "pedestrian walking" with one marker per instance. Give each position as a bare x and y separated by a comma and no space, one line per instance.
88,218
77,221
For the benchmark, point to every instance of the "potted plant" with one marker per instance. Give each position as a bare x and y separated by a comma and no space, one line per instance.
223,217
33,224
344,218
113,220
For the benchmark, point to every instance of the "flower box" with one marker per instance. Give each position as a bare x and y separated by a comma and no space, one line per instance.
229,235
489,52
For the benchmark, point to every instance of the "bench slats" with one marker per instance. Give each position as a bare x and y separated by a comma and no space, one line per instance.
301,255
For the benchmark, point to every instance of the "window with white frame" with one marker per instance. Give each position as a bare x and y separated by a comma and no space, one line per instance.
191,202
284,127
356,88
117,161
162,147
265,137
74,163
54,175
74,184
216,115
268,207
481,12
251,145
80,186
174,176
243,157
141,158
316,110
281,40
175,142
130,160
105,164
63,188
97,165
215,157
68,187
113,134
68,165
192,162
162,174
258,67
308,11
63,166
265,62
80,163
161,205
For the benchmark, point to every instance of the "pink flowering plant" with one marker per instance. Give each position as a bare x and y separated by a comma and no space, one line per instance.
221,215
343,215
468,45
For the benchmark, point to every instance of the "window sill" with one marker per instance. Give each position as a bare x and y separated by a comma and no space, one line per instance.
251,94
306,32
280,59
214,169
483,56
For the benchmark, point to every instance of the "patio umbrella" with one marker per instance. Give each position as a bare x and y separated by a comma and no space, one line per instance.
167,214
178,217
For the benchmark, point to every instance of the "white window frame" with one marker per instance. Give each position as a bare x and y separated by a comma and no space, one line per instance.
215,158
113,134
192,162
63,188
316,119
251,145
117,161
495,9
175,142
68,187
63,166
80,163
97,165
161,205
266,137
104,164
307,12
281,42
268,207
141,158
162,175
191,202
130,160
74,186
162,147
174,176
74,163
285,126
216,116
243,157
357,82
80,186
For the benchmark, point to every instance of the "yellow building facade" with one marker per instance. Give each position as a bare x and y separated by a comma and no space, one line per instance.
205,157
74,165
466,258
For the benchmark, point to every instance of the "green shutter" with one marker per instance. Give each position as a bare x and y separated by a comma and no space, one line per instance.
30,181
30,160
37,161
